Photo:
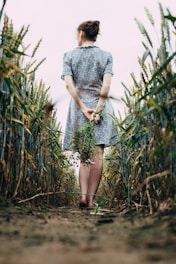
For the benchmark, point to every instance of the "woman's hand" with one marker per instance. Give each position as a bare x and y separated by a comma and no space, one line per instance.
88,112
92,115
95,117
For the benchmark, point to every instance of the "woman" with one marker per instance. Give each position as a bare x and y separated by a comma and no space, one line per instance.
87,71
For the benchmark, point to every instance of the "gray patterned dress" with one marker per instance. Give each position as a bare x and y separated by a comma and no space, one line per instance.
87,65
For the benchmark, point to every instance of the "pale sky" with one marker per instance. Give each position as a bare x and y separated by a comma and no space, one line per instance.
55,21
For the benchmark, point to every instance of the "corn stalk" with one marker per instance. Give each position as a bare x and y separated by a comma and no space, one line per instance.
148,131
31,155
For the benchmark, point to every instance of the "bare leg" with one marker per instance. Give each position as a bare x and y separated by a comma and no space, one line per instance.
95,175
84,172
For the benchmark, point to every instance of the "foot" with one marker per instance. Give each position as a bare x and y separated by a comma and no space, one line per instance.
91,206
83,204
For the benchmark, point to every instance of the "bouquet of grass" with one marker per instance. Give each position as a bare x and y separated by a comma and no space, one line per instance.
84,140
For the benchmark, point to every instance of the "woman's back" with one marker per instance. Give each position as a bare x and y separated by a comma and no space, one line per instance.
87,65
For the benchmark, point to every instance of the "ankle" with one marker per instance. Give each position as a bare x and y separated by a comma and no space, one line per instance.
90,203
83,199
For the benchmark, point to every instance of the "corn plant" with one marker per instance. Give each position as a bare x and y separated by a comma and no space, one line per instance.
144,159
31,155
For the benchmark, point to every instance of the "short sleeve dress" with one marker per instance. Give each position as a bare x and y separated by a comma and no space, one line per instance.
87,66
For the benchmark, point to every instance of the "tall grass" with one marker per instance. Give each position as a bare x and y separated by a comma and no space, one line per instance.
31,156
143,163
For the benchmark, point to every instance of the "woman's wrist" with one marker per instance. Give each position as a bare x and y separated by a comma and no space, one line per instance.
83,109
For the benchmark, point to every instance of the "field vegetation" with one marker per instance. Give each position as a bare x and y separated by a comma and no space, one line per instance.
31,157
141,168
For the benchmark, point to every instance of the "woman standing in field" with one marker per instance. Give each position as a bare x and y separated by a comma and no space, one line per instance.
87,71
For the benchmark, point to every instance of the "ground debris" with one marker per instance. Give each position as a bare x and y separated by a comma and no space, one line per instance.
68,235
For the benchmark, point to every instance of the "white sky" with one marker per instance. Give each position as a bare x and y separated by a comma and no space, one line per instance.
55,21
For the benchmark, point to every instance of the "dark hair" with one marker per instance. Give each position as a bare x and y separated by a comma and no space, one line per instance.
90,28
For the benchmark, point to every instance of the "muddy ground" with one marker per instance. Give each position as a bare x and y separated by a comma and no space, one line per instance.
30,235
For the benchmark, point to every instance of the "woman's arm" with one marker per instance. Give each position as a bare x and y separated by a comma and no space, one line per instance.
72,91
103,96
104,91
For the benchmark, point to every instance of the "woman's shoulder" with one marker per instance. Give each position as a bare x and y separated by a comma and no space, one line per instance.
104,53
70,54
72,51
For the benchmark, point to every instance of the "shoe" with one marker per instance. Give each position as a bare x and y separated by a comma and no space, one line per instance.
93,207
82,205
90,208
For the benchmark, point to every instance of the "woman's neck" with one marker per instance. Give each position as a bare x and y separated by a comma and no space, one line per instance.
87,43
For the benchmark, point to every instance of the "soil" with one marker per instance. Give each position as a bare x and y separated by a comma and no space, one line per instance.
30,235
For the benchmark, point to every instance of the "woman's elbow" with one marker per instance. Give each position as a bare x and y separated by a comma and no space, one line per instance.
68,82
67,86
106,88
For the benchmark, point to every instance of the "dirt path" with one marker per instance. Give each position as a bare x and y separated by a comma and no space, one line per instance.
68,235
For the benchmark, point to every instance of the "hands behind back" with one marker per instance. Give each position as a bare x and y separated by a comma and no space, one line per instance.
96,117
92,115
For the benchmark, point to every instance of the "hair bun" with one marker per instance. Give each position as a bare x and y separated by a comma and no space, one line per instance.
90,28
